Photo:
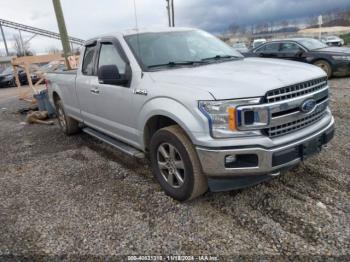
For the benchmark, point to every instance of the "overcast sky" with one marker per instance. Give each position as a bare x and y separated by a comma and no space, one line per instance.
87,18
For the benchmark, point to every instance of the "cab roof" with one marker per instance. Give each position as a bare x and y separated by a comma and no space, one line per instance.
128,32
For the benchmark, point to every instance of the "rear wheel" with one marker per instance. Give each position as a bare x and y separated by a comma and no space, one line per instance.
68,125
323,64
175,164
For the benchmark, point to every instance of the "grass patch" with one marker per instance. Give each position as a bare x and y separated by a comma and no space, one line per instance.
346,38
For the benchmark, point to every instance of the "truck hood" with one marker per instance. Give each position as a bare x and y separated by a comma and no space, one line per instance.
249,77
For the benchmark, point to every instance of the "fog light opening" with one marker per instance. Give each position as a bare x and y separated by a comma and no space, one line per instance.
241,161
230,159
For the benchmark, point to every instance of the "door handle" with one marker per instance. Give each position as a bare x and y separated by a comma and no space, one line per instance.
95,91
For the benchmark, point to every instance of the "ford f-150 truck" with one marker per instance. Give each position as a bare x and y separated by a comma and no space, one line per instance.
204,115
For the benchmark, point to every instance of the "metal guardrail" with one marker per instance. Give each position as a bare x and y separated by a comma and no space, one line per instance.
38,31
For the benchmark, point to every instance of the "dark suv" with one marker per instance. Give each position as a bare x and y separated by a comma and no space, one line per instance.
335,61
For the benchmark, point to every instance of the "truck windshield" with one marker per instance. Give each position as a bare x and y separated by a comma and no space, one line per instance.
179,48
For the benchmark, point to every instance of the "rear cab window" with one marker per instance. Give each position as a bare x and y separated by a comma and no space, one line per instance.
88,60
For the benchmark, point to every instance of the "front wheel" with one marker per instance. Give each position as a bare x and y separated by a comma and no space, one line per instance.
13,83
175,164
325,66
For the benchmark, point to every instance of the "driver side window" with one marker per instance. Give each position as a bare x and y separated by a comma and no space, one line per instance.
109,55
290,47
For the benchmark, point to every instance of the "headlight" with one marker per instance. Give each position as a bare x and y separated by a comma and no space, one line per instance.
8,78
342,57
226,119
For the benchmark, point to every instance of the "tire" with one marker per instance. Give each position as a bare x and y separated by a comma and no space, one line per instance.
325,66
180,175
68,125
12,83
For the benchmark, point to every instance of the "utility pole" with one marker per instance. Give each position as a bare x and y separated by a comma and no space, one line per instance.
168,10
171,12
4,39
22,49
63,30
320,22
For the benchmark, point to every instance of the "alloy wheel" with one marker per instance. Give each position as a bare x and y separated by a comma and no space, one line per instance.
171,165
61,118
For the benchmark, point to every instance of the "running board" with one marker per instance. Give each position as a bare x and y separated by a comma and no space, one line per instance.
131,151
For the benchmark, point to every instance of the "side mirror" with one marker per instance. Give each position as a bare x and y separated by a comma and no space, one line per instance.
300,53
109,75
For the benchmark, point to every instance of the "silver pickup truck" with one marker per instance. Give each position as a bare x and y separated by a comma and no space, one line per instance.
204,115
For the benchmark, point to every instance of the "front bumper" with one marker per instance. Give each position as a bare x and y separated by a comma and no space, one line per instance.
259,160
5,83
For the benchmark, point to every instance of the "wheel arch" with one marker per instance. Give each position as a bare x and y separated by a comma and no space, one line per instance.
55,97
163,112
328,62
314,60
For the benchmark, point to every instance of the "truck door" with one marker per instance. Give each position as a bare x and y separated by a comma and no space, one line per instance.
113,104
85,75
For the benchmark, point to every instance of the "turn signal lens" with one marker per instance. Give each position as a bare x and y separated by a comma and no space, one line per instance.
232,118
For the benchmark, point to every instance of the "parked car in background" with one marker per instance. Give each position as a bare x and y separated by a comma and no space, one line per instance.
258,42
203,114
335,61
52,67
240,47
333,41
7,77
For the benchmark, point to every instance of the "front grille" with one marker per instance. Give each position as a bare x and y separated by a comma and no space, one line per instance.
295,125
296,90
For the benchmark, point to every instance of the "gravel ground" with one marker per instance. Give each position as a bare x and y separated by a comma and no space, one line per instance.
74,196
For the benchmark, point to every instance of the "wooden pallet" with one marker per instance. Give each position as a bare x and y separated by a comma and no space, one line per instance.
26,62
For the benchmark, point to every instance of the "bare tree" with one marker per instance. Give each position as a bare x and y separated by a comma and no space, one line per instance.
260,27
243,30
252,29
22,49
53,50
285,23
311,21
234,28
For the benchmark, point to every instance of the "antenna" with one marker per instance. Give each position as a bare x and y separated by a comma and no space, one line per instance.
137,35
173,12
168,10
135,13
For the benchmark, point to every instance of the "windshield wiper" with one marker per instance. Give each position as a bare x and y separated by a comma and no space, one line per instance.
174,64
219,57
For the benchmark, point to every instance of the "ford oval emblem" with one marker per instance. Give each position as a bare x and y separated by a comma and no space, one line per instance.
308,106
